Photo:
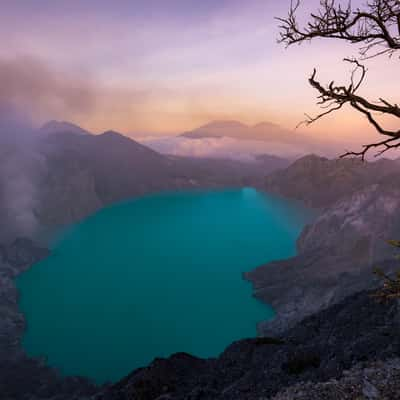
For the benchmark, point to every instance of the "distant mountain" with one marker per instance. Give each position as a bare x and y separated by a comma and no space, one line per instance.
218,129
265,131
85,172
62,127
272,163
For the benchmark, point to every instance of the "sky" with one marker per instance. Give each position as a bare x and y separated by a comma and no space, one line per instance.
168,66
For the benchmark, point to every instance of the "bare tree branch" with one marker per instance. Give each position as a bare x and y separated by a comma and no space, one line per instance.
376,26
372,27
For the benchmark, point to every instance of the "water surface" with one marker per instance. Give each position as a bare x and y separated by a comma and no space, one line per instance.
153,276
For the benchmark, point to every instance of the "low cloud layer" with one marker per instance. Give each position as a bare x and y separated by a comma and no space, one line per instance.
224,147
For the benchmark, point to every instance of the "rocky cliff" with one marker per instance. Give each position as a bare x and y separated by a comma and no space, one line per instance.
76,174
20,376
85,172
323,327
337,253
358,334
319,182
319,349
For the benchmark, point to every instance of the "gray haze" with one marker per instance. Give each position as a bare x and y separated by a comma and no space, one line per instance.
38,90
30,89
20,168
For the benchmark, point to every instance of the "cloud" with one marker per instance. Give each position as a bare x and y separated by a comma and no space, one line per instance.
224,147
35,88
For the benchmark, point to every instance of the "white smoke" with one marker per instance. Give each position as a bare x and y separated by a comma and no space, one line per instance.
20,169
29,89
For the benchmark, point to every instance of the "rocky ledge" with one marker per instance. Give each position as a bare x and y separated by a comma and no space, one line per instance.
317,350
376,380
20,376
337,253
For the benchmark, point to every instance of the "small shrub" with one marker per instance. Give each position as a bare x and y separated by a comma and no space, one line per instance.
391,285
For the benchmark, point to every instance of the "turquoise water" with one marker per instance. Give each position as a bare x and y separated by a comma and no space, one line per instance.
153,276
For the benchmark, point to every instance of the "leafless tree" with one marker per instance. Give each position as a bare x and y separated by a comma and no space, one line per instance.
375,28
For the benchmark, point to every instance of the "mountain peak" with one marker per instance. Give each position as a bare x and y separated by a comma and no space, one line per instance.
266,125
62,127
224,124
111,133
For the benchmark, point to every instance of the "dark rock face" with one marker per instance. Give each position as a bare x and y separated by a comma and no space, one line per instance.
86,172
14,259
80,173
27,379
22,253
336,253
319,348
20,376
180,372
319,182
373,380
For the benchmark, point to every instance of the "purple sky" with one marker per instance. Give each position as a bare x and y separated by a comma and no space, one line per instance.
169,66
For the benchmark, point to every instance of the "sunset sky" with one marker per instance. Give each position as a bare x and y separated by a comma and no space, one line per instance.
168,66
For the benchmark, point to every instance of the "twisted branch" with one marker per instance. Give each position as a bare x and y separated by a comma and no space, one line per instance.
377,26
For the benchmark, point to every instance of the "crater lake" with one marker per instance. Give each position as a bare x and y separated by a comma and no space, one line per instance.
152,276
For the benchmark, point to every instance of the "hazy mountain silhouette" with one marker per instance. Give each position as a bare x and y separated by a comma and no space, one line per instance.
62,127
266,131
86,172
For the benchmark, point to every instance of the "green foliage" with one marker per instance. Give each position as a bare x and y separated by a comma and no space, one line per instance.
391,285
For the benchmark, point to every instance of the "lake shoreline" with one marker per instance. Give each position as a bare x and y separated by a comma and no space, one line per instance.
246,217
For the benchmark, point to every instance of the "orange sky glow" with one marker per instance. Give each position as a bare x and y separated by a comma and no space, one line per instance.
166,71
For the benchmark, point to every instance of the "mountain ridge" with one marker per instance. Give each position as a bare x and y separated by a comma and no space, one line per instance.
55,126
266,131
85,172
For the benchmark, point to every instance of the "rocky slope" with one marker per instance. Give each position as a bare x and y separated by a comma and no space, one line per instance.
336,253
21,377
86,172
335,258
62,173
319,182
375,380
316,350
75,174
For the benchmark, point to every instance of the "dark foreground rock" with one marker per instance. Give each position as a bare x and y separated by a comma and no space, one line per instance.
20,376
316,350
367,381
336,256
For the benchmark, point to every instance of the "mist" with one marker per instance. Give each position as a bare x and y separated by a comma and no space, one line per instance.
30,92
231,148
38,90
20,167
